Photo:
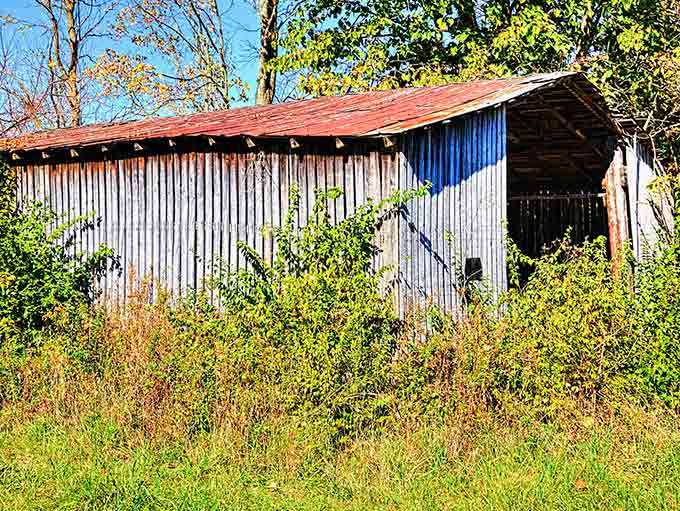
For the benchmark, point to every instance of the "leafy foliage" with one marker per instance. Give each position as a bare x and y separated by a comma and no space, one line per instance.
179,58
567,334
315,322
311,344
658,314
630,48
42,273
345,249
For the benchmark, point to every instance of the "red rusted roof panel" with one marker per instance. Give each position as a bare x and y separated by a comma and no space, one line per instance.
367,114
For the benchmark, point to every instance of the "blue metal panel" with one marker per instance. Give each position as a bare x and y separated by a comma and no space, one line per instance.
462,219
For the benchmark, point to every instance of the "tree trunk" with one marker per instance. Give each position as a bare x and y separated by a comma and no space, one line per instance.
71,75
266,79
64,79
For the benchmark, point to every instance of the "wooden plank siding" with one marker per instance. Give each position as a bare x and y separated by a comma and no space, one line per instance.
175,215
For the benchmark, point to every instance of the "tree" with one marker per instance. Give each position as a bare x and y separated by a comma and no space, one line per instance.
269,30
340,46
44,59
64,56
630,48
181,58
23,94
273,17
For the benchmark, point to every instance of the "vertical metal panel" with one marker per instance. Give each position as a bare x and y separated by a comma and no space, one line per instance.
418,207
86,200
210,202
440,227
200,208
501,282
154,227
300,179
467,198
233,175
137,248
402,221
275,191
72,191
213,191
162,196
186,249
108,218
241,203
27,180
127,220
99,207
143,249
169,188
648,213
258,171
309,186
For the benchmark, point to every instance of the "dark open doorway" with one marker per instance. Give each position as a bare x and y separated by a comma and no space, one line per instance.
559,150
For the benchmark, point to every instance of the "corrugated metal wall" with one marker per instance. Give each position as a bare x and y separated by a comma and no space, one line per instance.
463,218
648,212
176,217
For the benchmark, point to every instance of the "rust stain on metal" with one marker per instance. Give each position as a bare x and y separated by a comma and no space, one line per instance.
617,210
359,115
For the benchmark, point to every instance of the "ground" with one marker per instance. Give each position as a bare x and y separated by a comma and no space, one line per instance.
93,465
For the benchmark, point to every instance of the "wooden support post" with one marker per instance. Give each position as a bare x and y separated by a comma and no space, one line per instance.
617,207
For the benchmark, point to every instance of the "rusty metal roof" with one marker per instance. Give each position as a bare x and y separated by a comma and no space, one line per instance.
357,115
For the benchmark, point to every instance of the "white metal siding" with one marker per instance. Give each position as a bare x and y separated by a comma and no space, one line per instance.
175,218
649,212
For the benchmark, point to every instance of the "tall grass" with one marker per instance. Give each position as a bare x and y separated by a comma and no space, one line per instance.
306,390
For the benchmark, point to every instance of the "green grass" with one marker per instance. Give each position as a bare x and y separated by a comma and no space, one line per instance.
94,465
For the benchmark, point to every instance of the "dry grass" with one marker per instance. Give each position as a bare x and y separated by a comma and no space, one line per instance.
152,415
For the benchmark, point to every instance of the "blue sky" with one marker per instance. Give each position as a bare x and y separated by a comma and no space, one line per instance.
241,24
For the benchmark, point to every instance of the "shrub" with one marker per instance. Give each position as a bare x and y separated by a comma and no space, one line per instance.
312,347
45,281
314,324
658,319
569,334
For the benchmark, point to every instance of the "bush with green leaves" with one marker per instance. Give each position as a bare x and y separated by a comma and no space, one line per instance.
42,273
314,323
311,344
657,283
569,333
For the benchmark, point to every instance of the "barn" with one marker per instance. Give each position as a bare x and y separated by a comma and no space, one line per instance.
526,157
